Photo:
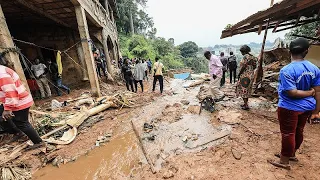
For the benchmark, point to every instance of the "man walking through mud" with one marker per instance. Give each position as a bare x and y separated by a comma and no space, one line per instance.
215,71
158,76
299,98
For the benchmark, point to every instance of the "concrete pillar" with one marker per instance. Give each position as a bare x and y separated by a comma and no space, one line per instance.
7,42
88,56
82,63
106,51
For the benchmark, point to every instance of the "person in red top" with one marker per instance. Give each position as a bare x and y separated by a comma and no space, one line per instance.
16,101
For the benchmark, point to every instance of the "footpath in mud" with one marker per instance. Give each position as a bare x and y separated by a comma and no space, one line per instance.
181,143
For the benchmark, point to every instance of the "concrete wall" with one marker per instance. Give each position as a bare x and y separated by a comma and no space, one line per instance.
56,38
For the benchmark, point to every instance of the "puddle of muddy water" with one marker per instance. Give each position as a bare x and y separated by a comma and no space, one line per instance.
114,159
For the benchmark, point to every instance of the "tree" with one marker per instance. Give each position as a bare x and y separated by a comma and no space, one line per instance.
162,46
131,19
138,46
309,30
188,49
171,40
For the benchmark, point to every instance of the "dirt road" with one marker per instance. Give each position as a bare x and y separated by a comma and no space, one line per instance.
180,149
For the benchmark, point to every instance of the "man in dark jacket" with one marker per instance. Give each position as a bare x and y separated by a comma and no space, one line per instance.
224,62
232,64
56,77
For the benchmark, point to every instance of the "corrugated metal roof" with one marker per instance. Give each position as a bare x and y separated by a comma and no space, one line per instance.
287,13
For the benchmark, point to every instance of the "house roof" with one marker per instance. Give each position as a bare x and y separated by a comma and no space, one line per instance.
281,16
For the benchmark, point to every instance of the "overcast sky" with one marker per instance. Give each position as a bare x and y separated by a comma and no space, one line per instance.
202,21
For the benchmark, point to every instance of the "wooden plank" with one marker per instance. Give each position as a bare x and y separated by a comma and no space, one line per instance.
37,10
88,56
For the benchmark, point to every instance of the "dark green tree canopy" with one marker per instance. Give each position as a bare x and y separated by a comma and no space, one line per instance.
188,49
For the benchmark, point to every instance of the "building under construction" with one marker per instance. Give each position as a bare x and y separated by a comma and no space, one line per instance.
33,29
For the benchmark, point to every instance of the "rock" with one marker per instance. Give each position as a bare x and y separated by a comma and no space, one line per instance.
236,154
185,102
226,99
177,105
168,174
185,139
194,109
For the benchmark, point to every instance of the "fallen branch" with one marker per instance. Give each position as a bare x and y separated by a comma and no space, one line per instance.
143,149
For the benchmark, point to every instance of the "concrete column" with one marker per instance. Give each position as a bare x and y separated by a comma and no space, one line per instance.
87,52
82,63
7,42
106,52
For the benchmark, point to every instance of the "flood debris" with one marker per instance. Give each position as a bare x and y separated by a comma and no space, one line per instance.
103,139
152,168
15,173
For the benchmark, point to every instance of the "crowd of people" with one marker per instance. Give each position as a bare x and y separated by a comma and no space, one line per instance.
40,75
136,70
299,92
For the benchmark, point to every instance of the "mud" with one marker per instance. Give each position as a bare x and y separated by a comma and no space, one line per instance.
185,144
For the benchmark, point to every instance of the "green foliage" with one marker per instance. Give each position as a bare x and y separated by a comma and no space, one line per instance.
142,23
171,56
188,49
229,26
309,30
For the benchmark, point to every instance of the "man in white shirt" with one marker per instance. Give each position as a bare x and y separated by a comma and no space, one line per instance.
40,71
157,70
215,71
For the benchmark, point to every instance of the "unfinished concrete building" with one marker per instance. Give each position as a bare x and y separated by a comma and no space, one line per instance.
38,28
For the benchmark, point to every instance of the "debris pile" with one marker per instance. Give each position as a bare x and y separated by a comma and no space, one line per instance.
59,128
274,60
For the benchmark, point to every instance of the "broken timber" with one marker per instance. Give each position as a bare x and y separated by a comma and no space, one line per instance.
143,149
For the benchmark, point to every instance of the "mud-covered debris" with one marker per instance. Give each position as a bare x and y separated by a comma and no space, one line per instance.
57,161
194,109
170,172
103,139
185,102
147,127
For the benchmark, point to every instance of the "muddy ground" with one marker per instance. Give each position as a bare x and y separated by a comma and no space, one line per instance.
252,138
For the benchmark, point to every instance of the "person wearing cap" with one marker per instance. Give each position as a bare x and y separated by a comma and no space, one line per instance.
299,98
246,75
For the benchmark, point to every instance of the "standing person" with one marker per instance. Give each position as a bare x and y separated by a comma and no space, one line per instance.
246,75
299,83
127,74
149,65
157,68
215,71
232,65
56,77
224,62
16,102
40,70
104,62
139,74
145,67
99,64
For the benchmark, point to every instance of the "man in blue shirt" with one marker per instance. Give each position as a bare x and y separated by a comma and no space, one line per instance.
299,98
